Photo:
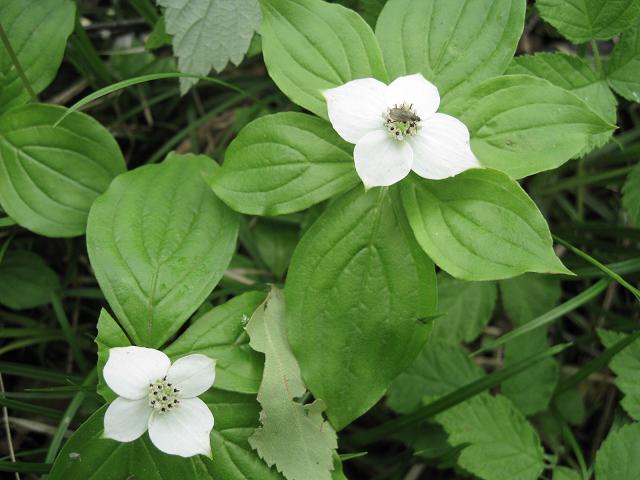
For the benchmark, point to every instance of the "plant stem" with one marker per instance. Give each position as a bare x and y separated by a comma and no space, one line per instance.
16,64
596,56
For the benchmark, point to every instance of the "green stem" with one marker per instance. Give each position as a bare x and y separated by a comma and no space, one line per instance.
146,10
16,64
596,56
600,266
553,314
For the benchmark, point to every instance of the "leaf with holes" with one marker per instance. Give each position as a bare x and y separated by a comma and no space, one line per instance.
50,176
159,241
455,44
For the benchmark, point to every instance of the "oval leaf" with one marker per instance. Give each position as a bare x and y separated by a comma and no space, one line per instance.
479,225
38,32
26,281
523,125
353,302
311,45
455,44
50,177
284,163
159,241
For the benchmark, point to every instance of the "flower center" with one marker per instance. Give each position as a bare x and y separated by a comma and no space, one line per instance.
401,121
163,396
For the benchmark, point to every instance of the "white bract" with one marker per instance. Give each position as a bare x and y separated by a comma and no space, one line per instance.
160,397
396,129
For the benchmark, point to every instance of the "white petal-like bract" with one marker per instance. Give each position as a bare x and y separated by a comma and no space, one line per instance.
441,148
356,107
129,370
193,374
125,420
415,90
381,160
184,431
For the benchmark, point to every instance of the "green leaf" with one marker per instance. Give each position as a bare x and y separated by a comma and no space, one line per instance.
50,177
37,31
575,75
159,241
89,456
619,455
479,225
455,44
466,306
110,335
284,163
440,368
355,293
275,243
220,334
523,125
501,444
626,366
26,281
209,33
631,195
583,20
526,298
311,45
564,473
286,423
623,67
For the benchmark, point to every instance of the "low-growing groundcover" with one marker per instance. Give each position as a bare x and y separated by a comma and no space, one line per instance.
312,240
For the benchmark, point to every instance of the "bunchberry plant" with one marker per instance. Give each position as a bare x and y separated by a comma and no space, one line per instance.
340,211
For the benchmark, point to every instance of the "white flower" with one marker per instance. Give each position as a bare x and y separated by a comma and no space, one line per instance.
396,129
160,397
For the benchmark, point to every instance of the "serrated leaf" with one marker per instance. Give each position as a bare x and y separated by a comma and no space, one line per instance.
583,20
356,289
523,125
466,306
311,45
455,44
526,298
626,366
575,75
623,67
293,437
26,281
50,176
479,225
89,456
284,163
159,241
220,334
619,455
37,31
209,33
564,473
440,368
500,443
631,195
